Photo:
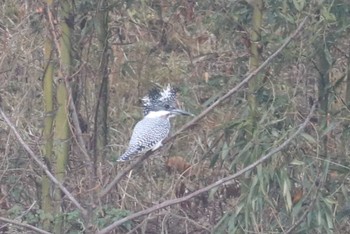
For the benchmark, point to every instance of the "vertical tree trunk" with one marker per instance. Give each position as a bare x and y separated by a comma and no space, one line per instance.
62,132
61,149
101,127
46,202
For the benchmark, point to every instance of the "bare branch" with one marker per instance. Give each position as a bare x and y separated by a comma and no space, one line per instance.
17,223
54,34
243,82
123,173
41,164
75,120
208,110
213,185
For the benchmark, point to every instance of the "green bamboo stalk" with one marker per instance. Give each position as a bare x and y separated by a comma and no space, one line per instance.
254,63
46,202
62,133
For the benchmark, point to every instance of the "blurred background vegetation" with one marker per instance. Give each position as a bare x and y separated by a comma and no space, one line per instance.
86,63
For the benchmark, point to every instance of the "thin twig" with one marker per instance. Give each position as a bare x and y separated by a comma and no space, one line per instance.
17,223
213,185
206,111
54,34
27,211
75,120
41,163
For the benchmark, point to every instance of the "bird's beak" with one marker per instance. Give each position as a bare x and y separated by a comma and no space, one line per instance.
181,112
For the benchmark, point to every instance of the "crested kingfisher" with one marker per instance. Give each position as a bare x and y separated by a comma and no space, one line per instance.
158,107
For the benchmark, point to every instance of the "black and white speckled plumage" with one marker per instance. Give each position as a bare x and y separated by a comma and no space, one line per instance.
159,98
158,107
148,135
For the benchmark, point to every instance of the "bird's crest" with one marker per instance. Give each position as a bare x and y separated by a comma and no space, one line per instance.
157,97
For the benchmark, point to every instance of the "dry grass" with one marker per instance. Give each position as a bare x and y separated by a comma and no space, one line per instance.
204,61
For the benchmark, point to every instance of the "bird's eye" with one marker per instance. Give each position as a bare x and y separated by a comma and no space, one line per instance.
167,106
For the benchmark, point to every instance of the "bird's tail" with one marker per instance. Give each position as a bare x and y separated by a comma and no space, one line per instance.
125,157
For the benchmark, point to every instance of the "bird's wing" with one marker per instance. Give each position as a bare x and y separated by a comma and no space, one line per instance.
147,133
150,131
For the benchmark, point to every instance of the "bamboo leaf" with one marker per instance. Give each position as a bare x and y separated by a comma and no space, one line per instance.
328,55
299,4
296,162
309,138
328,15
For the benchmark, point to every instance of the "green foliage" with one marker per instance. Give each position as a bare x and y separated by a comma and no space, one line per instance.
299,4
33,218
73,216
45,216
15,211
72,221
109,215
261,192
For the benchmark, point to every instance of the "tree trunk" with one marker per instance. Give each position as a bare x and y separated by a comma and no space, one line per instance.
62,133
46,202
101,128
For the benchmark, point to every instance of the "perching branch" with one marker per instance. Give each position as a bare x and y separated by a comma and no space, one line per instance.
213,185
206,111
41,164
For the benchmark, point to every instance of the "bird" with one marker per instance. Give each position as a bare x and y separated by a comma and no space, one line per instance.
149,132
159,98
